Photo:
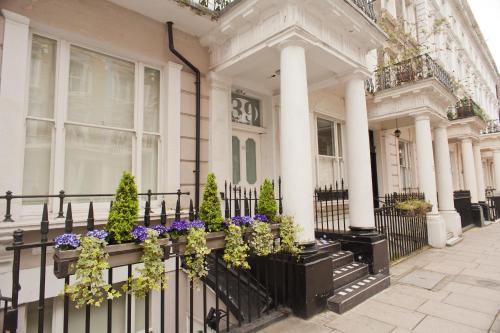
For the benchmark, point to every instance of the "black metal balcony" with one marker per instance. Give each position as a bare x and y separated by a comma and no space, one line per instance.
466,108
412,70
367,7
492,126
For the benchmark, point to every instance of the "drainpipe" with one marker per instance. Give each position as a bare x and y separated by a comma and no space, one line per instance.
198,113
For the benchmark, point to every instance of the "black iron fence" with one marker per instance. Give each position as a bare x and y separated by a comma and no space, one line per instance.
463,206
413,70
405,233
367,7
245,294
466,108
62,196
241,201
493,203
492,126
331,208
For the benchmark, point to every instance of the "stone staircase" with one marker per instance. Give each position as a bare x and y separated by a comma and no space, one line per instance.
352,281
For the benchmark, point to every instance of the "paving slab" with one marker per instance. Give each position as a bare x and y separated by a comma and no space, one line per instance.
457,314
399,299
355,323
434,324
423,279
390,314
473,303
296,325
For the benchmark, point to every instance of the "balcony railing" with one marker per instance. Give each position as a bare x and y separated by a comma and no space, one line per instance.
466,108
492,126
412,70
367,7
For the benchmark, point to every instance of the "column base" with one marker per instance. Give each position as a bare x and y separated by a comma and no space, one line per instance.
436,231
368,248
452,221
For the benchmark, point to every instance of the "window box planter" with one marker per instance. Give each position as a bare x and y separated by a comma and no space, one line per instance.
130,253
414,212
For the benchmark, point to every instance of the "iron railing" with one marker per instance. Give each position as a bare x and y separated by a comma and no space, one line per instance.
246,294
405,233
412,70
367,7
9,196
241,201
493,204
466,108
331,208
492,126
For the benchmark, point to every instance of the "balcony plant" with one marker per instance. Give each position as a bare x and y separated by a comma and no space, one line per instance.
210,210
261,240
90,288
236,250
123,214
289,231
413,207
267,202
196,253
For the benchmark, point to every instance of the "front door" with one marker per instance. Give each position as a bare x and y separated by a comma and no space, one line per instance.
246,158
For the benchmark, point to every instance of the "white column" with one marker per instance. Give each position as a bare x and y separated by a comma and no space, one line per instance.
358,157
444,182
436,228
220,127
13,101
295,140
172,126
469,169
481,194
496,169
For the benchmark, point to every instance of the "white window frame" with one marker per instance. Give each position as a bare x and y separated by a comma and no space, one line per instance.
61,91
340,162
408,167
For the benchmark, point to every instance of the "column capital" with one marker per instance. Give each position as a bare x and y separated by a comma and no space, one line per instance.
15,17
293,41
421,116
466,140
357,74
219,81
173,66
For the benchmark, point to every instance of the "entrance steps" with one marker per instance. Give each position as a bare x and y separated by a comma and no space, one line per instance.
352,282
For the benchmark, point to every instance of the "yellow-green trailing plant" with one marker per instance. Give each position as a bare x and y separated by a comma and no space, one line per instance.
90,287
152,275
123,214
195,254
289,231
261,241
417,206
236,250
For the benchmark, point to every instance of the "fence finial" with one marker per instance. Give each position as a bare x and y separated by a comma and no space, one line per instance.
163,214
90,217
44,224
68,223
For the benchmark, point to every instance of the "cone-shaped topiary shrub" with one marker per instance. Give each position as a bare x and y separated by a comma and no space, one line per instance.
210,211
123,213
267,203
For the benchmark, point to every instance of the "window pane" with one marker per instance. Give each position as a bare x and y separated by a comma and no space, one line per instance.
37,158
151,99
101,89
246,110
95,159
325,138
326,171
149,163
236,160
42,77
251,161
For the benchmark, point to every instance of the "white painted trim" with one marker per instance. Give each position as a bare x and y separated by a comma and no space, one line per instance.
172,130
13,102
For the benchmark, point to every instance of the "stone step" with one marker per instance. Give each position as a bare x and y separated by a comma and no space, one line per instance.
357,292
349,273
342,258
327,245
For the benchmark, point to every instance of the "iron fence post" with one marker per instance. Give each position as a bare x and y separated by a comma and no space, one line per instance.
8,199
60,214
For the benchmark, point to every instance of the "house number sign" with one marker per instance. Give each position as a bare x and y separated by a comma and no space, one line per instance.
246,110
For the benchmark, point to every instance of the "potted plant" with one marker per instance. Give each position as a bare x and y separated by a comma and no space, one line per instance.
210,210
413,207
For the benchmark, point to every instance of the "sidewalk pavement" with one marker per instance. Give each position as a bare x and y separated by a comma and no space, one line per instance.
456,289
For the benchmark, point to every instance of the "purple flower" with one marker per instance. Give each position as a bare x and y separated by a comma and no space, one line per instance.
100,234
160,229
179,226
67,241
140,233
197,224
242,221
261,217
